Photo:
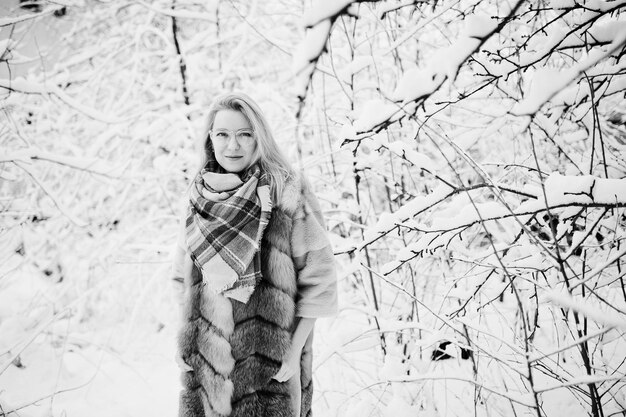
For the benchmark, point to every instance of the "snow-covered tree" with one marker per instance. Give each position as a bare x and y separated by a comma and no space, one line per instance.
469,156
483,147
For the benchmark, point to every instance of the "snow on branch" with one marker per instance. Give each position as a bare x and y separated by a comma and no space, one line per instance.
600,268
93,165
417,85
178,13
21,85
522,399
579,190
548,84
581,380
8,21
318,22
384,9
325,10
573,344
605,317
55,199
308,53
447,205
388,222
562,192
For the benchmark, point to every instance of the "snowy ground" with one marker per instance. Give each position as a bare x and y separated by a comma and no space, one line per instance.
124,368
119,369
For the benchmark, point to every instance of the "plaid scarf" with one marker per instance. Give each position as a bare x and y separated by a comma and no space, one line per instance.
225,223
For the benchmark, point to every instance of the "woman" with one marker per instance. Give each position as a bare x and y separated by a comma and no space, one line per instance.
257,270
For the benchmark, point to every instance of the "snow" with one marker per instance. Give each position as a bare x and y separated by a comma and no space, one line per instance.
578,136
23,85
359,63
181,14
562,4
548,82
416,83
609,191
467,213
533,261
591,310
604,32
418,159
540,89
312,46
383,8
323,10
4,46
602,5
600,268
115,146
580,380
347,131
578,190
99,383
387,221
400,408
94,165
302,79
373,113
7,21
448,60
32,87
479,26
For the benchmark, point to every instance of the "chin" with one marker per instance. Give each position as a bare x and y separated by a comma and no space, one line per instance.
233,168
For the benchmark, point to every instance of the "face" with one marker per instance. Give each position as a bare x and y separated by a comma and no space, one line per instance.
233,153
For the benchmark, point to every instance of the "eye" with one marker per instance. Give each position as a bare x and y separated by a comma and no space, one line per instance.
221,134
246,134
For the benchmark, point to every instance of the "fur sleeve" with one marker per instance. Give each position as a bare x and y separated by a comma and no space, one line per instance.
314,260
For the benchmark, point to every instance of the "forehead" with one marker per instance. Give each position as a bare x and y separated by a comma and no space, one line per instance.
230,119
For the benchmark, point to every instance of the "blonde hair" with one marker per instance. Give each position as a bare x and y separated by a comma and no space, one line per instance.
267,153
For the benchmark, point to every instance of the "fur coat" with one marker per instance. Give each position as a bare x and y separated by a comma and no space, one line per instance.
235,349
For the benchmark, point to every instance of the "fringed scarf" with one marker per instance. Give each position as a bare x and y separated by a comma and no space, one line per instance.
225,223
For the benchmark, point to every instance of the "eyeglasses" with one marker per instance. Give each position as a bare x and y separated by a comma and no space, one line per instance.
244,137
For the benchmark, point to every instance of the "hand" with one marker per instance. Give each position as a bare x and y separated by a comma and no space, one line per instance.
289,367
181,364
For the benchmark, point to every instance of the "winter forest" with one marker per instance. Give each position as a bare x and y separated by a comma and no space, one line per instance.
469,157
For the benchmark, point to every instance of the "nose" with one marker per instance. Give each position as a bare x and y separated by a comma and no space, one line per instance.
232,142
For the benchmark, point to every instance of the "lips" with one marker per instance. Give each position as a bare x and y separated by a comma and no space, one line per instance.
233,157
